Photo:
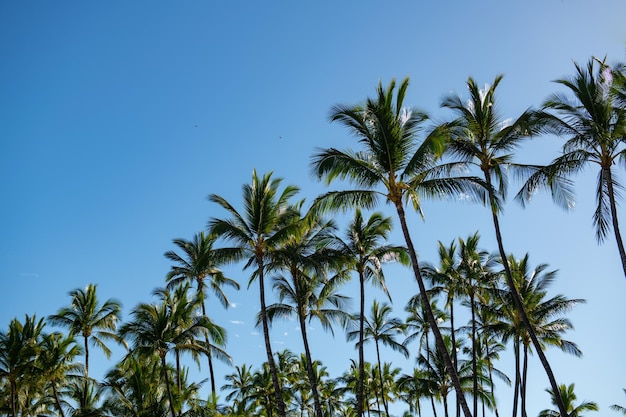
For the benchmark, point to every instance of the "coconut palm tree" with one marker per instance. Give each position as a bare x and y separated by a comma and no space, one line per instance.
480,137
619,408
159,329
594,123
391,166
240,387
544,314
258,230
18,350
381,328
568,397
92,321
363,247
199,264
55,362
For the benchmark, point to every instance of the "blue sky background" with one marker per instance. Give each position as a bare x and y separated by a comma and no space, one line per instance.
118,119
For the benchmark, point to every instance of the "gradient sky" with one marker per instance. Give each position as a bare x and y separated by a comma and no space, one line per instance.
118,119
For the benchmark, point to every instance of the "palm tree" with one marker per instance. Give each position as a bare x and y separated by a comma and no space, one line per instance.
619,408
363,247
55,362
240,385
87,318
262,227
158,329
567,395
594,123
545,316
392,161
480,137
380,328
199,264
18,351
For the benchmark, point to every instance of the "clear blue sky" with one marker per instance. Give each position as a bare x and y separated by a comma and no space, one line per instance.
117,119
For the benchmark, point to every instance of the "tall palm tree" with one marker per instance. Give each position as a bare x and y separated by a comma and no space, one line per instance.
56,363
567,395
240,387
364,248
480,137
92,321
594,123
258,230
305,292
158,329
200,264
391,166
18,351
544,314
381,328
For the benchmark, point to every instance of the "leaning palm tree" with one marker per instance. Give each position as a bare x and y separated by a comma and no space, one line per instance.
381,328
364,249
391,166
480,137
567,395
199,264
262,227
87,318
594,123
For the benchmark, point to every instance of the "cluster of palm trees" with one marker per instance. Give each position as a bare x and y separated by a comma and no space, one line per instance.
299,250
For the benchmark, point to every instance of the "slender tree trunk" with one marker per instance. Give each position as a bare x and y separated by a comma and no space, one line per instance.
429,312
309,362
86,345
361,380
518,302
382,383
455,360
524,380
474,358
278,392
167,385
491,383
618,236
208,343
57,400
432,403
516,390
178,376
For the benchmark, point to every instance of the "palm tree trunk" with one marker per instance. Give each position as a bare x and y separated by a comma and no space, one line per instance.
208,343
455,359
85,339
382,384
618,236
524,380
516,390
167,385
278,392
441,347
474,354
57,400
518,302
361,376
309,363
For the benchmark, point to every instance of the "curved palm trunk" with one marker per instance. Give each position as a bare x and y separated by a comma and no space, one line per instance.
441,347
382,384
361,377
167,385
278,392
307,352
518,302
618,235
57,400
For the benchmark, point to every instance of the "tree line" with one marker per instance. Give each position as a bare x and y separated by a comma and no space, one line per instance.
296,247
